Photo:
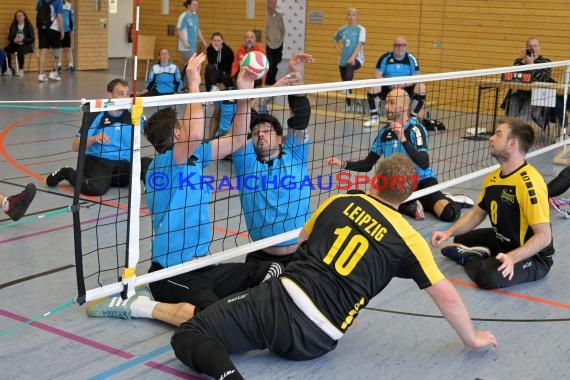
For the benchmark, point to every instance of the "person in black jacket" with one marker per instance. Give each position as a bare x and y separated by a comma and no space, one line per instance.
220,58
517,102
21,36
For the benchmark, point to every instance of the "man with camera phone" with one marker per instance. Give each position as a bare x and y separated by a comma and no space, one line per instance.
517,102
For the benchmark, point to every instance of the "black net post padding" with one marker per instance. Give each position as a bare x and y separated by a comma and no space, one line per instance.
75,206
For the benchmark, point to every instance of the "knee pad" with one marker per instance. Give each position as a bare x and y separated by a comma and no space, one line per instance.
416,103
451,212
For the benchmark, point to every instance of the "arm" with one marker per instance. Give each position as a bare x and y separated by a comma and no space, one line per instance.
467,222
201,37
30,36
237,138
357,166
454,311
419,158
352,59
541,238
60,24
192,126
100,138
12,33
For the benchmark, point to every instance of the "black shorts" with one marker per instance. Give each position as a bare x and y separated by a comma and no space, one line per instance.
49,39
202,287
66,42
387,89
259,318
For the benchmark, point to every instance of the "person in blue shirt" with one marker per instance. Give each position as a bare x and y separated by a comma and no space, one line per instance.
408,136
349,43
396,63
108,149
180,212
67,42
164,78
273,167
188,32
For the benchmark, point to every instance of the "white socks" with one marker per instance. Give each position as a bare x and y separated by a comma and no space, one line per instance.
5,204
142,307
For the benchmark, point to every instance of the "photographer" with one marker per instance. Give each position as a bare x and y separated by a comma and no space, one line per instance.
517,102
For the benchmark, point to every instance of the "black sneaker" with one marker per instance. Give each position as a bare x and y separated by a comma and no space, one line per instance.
18,204
461,253
56,177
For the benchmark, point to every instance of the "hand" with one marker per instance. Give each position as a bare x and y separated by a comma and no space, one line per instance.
245,79
291,79
61,35
399,131
185,44
193,69
351,61
507,267
297,62
333,161
483,339
100,138
438,237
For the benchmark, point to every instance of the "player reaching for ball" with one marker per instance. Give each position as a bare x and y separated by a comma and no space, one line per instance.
256,62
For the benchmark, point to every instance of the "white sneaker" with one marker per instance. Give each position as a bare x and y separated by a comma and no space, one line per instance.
53,76
20,73
347,109
373,122
462,200
214,88
42,77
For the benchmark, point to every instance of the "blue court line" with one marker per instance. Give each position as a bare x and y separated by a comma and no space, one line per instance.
131,363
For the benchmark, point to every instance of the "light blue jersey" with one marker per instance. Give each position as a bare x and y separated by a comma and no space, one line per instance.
119,128
350,35
387,143
189,24
180,207
274,201
164,79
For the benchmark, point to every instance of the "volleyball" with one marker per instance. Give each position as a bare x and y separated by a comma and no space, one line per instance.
257,62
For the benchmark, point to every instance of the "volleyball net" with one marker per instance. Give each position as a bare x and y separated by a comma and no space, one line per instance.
114,233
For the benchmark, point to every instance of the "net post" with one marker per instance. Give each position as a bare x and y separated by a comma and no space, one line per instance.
129,273
75,205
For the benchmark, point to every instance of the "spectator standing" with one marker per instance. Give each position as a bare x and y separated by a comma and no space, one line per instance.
49,35
274,36
349,43
67,42
21,37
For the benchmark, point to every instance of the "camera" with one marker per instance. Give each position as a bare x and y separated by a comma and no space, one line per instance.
529,52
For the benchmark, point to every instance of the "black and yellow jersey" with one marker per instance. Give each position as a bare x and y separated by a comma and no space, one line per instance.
514,203
356,245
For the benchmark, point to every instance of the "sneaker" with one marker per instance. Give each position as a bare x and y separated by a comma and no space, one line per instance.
275,270
42,77
562,205
347,109
373,122
8,72
461,253
214,88
53,76
59,69
56,177
115,306
19,203
72,69
20,73
462,200
419,211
